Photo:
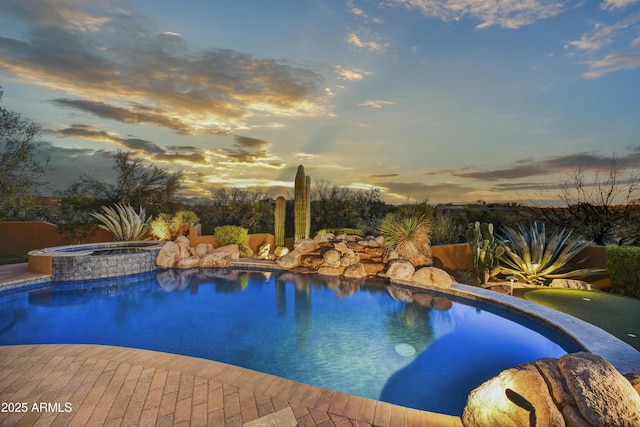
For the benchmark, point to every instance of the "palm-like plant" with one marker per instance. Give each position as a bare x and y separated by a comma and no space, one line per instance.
532,257
124,222
409,230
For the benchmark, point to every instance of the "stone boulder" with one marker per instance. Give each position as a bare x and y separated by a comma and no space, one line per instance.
389,254
182,239
355,271
634,379
571,284
188,262
216,259
349,258
263,249
330,271
311,261
323,238
280,251
432,277
184,250
168,255
373,268
579,389
201,249
232,250
400,269
332,258
304,245
244,251
290,260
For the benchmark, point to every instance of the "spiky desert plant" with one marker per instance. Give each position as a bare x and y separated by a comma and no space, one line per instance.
485,250
533,257
168,227
409,230
279,220
161,227
124,222
181,222
301,206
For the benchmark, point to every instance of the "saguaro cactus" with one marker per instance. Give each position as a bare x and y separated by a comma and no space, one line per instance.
279,213
486,252
302,206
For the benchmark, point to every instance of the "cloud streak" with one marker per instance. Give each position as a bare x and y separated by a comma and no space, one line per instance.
554,165
505,14
114,66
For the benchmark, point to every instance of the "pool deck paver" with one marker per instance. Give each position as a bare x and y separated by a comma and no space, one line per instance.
118,386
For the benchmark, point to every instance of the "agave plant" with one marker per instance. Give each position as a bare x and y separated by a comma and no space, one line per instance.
532,257
409,230
124,222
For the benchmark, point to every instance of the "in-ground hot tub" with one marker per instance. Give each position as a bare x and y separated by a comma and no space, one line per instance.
95,260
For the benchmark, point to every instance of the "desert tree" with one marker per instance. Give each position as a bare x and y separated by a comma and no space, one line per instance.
21,165
600,207
136,184
334,206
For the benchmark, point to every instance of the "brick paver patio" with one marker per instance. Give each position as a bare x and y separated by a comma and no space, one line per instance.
93,385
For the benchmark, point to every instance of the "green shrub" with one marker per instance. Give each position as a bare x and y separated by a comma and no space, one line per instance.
230,235
623,263
336,231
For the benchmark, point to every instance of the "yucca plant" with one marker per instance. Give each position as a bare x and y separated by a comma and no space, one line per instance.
409,230
533,257
124,222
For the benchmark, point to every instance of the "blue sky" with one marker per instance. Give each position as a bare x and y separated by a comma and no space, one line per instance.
445,100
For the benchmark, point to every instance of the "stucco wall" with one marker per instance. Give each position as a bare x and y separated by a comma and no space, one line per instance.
24,236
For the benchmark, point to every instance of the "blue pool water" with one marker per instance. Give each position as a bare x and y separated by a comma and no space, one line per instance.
347,336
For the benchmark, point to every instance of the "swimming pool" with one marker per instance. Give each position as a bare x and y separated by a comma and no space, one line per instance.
342,335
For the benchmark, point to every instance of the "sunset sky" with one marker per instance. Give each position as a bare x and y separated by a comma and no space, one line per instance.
445,100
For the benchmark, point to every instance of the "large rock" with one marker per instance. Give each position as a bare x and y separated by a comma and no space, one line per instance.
263,250
168,255
634,379
373,268
280,251
571,284
201,249
355,271
184,250
232,250
432,277
330,271
188,262
216,259
349,258
603,396
182,239
400,269
290,260
311,261
304,245
579,389
489,405
389,254
332,258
